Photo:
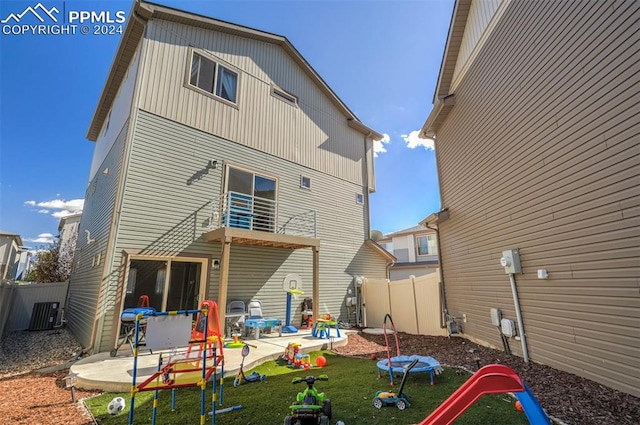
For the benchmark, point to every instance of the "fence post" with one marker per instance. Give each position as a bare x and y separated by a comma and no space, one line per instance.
415,302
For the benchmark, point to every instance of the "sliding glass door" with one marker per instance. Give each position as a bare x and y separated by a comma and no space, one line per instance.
169,284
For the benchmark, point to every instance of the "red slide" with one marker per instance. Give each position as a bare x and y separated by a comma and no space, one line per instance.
491,379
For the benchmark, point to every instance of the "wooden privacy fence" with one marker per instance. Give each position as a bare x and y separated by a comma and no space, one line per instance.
17,301
413,303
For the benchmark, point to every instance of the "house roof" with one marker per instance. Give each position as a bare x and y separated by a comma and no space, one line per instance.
63,220
443,100
143,11
409,230
15,236
380,250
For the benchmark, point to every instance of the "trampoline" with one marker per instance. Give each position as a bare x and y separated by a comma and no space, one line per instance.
399,363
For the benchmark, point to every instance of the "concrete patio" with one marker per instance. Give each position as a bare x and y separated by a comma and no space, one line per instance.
114,374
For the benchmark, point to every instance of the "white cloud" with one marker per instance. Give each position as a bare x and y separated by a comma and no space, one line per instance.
42,238
72,205
64,213
413,141
61,207
378,146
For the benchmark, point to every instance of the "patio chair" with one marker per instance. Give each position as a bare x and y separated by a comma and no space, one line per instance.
236,313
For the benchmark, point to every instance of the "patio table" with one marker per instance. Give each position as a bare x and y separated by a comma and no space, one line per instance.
264,323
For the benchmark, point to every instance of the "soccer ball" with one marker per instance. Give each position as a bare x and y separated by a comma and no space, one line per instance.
116,406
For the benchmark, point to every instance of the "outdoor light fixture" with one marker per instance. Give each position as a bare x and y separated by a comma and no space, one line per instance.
212,164
70,382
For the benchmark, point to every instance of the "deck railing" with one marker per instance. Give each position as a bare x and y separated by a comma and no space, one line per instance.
241,211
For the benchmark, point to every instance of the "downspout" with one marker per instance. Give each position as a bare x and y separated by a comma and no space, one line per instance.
443,298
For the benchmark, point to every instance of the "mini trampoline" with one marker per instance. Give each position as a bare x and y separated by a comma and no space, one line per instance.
399,363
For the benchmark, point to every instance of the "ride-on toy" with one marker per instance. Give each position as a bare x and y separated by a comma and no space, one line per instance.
311,407
400,400
253,377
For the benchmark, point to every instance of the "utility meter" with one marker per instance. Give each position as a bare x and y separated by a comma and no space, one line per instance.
511,261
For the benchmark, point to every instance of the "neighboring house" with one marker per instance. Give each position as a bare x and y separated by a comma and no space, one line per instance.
416,251
68,235
10,249
537,136
223,165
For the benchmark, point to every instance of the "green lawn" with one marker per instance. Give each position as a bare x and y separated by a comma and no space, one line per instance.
351,387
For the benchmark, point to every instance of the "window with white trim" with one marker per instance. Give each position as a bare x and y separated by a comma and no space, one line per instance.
207,75
427,245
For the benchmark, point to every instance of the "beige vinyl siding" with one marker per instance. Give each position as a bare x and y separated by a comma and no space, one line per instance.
85,283
166,206
480,13
313,134
543,156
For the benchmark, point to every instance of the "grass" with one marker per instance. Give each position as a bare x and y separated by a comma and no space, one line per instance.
352,385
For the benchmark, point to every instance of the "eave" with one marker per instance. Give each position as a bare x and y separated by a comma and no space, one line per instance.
134,30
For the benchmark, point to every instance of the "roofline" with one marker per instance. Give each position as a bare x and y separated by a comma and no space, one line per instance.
404,233
436,217
14,236
65,218
441,106
380,250
143,11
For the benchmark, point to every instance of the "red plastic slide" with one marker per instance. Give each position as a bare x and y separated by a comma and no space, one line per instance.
491,379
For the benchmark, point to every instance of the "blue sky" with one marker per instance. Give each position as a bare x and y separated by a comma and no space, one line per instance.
381,58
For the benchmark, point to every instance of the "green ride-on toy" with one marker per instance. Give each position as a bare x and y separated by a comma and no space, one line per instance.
400,400
311,407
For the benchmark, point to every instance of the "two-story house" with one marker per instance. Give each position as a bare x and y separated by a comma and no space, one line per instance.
223,165
416,251
537,139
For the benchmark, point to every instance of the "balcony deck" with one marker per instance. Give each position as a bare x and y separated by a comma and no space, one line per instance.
258,238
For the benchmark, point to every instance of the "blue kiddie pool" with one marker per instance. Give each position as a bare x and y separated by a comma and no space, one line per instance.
399,363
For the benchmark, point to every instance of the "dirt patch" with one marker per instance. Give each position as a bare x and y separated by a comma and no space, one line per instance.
41,399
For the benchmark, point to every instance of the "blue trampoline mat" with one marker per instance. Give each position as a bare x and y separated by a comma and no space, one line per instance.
398,364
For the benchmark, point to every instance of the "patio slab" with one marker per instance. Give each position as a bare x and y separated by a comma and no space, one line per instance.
114,374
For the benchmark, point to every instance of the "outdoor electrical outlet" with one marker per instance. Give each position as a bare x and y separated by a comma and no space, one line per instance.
464,318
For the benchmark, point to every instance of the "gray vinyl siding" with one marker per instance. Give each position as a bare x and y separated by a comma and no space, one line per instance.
314,134
85,283
166,207
541,153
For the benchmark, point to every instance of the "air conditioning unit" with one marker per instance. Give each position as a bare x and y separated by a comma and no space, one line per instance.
43,316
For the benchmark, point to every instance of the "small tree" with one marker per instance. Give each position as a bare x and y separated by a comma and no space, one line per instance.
51,265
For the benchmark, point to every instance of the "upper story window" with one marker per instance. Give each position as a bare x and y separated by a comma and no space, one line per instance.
427,245
284,96
213,78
